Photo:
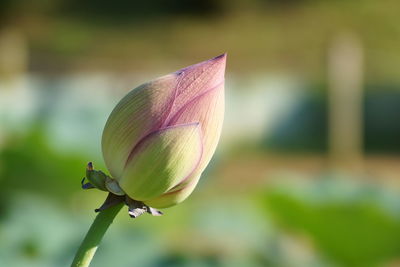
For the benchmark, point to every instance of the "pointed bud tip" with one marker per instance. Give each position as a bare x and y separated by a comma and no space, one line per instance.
223,56
218,60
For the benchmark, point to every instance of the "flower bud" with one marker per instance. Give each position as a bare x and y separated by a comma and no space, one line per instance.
161,135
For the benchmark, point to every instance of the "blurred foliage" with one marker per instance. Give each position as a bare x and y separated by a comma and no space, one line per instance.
381,110
29,163
305,128
263,35
195,234
138,10
353,225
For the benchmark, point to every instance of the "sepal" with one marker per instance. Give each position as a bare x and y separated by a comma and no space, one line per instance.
96,178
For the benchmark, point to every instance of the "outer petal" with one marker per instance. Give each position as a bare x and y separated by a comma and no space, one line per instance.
161,161
136,115
174,197
196,80
208,109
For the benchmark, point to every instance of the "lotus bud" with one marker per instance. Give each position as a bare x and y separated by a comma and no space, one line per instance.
160,137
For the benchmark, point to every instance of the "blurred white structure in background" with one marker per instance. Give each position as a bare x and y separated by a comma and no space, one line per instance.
345,74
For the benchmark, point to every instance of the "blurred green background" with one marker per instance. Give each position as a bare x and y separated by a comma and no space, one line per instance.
308,167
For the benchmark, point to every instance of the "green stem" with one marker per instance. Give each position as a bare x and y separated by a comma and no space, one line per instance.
89,245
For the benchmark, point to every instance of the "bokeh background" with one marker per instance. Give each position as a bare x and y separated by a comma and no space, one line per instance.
308,167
